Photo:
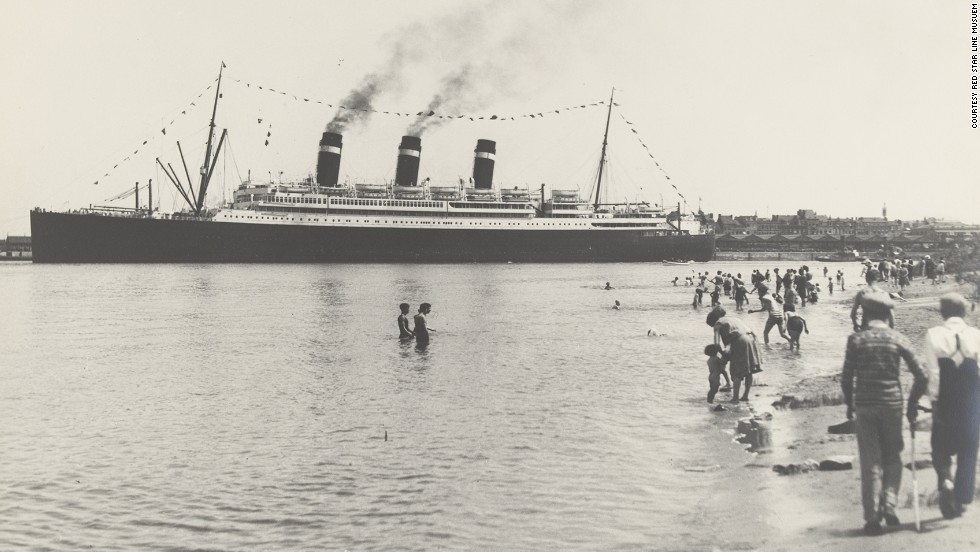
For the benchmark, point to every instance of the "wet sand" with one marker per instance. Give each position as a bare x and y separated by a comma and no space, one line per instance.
821,510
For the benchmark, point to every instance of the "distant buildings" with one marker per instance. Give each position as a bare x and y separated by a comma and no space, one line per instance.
808,231
15,246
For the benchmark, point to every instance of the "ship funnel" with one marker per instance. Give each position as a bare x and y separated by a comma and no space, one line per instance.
328,160
409,151
483,164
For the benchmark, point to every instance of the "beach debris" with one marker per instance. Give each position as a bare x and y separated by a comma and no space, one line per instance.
719,408
793,402
842,428
756,433
837,463
793,469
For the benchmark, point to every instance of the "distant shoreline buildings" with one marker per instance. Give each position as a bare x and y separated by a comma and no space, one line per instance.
809,231
15,246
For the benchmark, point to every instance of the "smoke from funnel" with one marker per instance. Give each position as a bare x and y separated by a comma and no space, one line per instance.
506,29
358,102
458,91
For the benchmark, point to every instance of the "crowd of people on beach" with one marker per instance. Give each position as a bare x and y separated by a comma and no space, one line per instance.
946,371
735,343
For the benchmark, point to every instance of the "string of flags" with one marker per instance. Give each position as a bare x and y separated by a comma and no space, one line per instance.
426,113
655,162
163,132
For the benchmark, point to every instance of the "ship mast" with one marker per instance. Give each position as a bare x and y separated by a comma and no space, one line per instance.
206,167
602,156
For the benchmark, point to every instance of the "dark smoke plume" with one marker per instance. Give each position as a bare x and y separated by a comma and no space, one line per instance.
458,93
508,32
358,102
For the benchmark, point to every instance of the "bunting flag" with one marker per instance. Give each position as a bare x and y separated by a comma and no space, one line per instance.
163,132
425,113
655,162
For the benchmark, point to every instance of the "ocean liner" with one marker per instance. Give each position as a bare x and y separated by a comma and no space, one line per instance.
322,220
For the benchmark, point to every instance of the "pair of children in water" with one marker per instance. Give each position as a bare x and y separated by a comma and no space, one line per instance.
422,329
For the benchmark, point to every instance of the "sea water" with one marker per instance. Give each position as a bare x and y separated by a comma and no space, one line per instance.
273,407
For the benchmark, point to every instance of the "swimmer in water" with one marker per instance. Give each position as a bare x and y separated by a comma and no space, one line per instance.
403,331
422,329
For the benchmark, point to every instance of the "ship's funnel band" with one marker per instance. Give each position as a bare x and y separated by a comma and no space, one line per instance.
411,152
328,159
483,161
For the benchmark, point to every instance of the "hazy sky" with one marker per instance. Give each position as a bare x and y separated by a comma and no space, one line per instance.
764,107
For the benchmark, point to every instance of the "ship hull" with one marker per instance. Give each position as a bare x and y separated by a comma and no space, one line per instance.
92,238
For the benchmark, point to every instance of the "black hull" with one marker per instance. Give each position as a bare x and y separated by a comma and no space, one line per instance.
90,238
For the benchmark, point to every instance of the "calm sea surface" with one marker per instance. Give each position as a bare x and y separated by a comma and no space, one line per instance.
247,406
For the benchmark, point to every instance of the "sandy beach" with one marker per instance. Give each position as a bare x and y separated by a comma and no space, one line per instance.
821,510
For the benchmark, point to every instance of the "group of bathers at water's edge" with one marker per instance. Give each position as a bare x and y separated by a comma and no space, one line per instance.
947,373
734,342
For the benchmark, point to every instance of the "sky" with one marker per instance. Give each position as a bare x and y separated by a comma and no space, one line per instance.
750,107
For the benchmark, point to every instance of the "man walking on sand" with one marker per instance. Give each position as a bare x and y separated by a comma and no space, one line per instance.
873,392
951,356
872,277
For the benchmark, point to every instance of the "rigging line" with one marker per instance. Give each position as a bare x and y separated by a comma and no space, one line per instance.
624,173
128,193
546,153
152,132
650,153
234,160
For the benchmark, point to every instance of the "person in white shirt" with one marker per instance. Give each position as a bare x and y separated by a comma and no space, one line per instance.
951,356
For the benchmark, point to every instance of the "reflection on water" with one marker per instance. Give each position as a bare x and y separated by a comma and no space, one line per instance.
241,406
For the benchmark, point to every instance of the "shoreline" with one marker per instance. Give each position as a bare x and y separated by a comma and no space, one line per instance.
817,510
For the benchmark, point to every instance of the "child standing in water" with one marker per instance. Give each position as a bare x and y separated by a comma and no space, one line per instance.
716,296
403,331
716,368
795,326
741,295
